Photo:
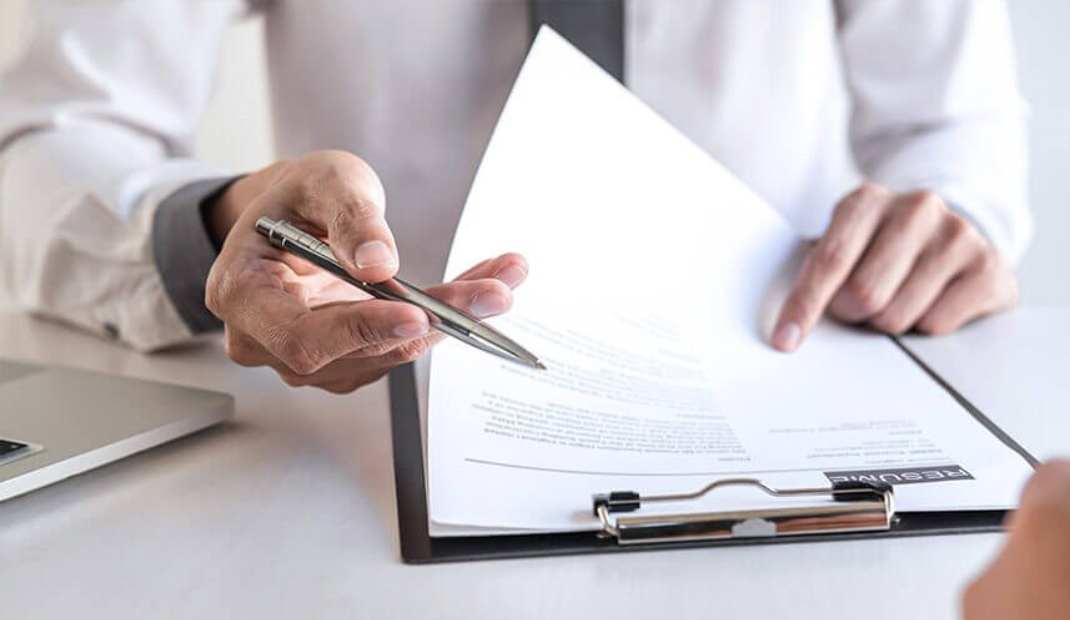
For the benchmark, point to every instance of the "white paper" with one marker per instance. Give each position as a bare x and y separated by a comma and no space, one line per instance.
655,278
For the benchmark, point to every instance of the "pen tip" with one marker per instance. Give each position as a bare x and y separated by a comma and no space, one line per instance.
539,365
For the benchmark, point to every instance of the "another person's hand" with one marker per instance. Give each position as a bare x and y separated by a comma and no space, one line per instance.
1031,577
896,262
312,328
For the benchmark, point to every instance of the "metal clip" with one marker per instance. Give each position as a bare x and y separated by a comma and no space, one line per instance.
859,507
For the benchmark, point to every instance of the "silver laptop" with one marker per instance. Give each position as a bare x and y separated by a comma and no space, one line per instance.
56,423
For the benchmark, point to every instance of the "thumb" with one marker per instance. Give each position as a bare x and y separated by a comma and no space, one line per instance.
340,194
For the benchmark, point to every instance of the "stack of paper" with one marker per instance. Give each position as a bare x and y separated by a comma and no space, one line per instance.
655,277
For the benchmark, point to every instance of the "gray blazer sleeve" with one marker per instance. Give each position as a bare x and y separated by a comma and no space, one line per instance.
184,250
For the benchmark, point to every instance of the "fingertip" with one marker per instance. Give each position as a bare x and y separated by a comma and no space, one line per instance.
375,274
932,327
512,275
411,329
375,261
402,320
510,268
488,304
787,337
516,259
493,298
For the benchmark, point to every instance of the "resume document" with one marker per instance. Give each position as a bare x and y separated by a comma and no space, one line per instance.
655,278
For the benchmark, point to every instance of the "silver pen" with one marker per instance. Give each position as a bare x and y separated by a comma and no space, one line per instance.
442,316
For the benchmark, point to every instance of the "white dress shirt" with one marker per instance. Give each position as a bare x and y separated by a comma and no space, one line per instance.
800,99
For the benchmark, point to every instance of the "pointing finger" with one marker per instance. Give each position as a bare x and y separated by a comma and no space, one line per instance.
829,264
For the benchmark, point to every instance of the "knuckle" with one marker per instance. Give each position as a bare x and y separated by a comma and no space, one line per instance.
237,349
340,225
914,210
361,207
306,187
337,164
212,292
850,206
932,265
293,352
831,257
325,171
922,205
362,332
865,199
990,262
218,290
869,192
212,299
926,197
958,230
865,295
345,170
337,155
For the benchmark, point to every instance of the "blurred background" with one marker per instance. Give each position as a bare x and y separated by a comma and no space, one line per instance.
236,131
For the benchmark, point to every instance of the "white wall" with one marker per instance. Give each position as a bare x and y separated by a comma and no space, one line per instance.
1043,49
236,131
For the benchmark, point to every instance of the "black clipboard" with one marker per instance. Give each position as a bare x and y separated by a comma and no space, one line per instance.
418,547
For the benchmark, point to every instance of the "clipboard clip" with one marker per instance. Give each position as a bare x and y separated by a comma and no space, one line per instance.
856,507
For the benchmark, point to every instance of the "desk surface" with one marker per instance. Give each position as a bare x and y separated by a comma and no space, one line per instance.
289,513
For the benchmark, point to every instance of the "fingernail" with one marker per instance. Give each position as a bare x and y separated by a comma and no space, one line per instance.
786,337
512,276
373,254
410,330
487,304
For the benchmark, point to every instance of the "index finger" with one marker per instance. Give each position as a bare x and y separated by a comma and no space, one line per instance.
829,263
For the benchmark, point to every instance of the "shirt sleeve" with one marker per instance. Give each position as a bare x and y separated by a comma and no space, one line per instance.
936,106
97,117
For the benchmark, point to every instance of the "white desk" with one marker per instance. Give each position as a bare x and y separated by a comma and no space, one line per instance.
288,513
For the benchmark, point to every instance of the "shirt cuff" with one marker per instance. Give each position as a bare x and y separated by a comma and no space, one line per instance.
184,251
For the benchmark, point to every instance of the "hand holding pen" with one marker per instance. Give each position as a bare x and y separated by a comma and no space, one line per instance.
447,319
312,328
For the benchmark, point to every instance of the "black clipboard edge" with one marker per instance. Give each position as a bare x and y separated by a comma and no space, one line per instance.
968,406
417,546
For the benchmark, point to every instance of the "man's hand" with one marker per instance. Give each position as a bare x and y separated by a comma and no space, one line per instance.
896,262
312,328
1031,577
